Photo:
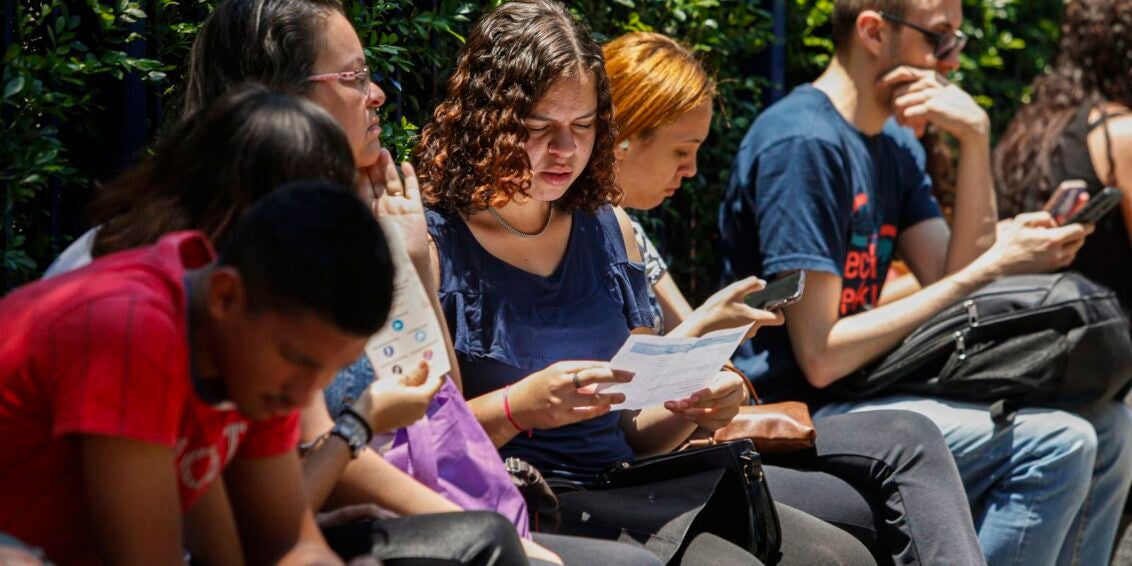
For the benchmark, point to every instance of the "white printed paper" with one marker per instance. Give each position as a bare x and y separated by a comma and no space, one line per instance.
412,332
667,369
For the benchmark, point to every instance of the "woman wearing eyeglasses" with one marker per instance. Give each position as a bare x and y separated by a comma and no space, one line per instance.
309,49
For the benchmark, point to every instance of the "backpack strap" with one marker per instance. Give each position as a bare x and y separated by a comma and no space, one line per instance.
1003,412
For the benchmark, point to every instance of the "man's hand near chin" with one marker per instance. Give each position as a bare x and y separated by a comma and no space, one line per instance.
923,96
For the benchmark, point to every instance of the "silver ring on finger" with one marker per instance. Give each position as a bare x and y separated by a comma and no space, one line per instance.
577,382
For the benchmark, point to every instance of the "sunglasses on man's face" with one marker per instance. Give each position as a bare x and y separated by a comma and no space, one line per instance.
943,44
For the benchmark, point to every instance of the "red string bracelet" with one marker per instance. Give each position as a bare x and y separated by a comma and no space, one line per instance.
507,411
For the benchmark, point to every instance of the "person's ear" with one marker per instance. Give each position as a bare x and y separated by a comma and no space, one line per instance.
622,148
227,296
872,32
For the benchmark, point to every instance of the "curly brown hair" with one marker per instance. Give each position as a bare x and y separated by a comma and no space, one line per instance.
1094,66
472,154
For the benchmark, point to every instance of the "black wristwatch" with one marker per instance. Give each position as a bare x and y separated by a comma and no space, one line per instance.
352,428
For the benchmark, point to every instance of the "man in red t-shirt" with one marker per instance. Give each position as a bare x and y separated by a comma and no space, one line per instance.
127,387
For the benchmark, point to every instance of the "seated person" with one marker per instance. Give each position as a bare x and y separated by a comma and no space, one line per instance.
260,139
536,269
663,108
161,381
828,181
1078,126
311,49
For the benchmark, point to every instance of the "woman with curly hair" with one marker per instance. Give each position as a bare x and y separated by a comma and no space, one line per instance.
1078,126
537,268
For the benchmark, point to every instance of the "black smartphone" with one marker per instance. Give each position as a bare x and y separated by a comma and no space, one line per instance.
778,293
1098,206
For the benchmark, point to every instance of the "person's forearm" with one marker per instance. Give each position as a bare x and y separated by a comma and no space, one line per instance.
856,340
488,409
210,530
429,274
308,553
655,430
323,467
672,302
309,548
371,479
453,363
976,213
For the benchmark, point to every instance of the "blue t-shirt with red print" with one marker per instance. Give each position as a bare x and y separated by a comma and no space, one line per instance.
810,191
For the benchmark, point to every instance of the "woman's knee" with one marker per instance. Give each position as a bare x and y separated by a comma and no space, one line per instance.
890,435
808,540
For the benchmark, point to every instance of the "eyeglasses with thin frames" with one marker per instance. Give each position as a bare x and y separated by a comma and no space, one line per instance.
944,44
358,78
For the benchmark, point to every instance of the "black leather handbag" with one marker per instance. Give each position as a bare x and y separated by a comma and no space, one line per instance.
656,501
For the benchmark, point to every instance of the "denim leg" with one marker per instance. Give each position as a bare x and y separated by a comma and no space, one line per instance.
1025,481
1093,532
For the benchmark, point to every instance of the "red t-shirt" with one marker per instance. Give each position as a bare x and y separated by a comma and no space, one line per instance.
104,350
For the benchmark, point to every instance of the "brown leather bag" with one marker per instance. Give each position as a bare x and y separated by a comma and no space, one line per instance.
773,427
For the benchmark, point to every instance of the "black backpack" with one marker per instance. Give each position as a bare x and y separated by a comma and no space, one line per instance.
1056,340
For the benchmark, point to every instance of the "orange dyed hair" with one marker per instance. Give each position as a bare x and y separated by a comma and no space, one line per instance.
655,81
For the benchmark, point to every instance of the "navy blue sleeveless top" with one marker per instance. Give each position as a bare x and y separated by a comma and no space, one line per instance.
507,323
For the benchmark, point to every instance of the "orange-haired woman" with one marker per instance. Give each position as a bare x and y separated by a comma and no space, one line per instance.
900,467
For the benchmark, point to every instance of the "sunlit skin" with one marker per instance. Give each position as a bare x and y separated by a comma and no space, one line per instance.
652,168
355,112
913,48
267,363
561,135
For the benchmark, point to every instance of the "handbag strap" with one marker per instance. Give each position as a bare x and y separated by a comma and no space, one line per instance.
751,394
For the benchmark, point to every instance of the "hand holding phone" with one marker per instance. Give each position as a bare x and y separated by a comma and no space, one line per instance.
778,293
1066,199
1097,207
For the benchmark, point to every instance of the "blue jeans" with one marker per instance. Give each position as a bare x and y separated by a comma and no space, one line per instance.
1025,481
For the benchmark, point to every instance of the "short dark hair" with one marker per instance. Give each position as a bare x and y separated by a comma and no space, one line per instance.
845,14
273,42
205,172
313,246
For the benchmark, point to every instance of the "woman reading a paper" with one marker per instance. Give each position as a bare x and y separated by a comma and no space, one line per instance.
664,99
536,267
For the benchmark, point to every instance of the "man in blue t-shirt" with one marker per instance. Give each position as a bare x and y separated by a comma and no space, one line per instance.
831,180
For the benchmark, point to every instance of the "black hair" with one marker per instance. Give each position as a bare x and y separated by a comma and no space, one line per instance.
274,42
205,172
313,246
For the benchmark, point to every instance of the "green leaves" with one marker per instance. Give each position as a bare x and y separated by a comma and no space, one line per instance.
54,64
13,87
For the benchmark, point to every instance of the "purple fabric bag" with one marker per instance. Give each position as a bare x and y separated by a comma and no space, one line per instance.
448,451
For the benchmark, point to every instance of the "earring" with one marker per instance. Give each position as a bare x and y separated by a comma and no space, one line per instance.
625,145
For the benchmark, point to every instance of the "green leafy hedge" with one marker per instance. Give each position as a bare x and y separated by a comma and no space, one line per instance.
62,51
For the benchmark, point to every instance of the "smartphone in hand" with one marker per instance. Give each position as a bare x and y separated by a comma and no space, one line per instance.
1098,206
1065,198
778,293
